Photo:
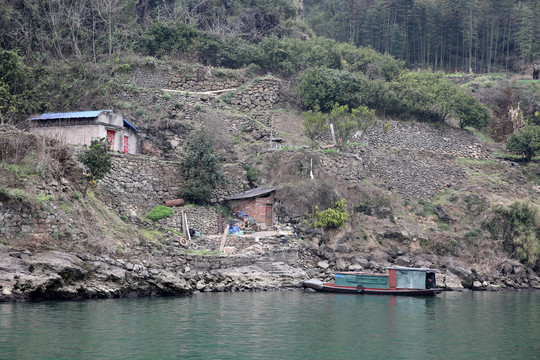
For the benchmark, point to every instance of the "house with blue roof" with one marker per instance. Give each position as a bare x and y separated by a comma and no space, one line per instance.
79,128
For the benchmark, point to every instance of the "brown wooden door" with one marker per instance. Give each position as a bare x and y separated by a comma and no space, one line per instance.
269,212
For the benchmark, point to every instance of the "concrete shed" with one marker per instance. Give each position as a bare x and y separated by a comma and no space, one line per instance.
79,128
257,203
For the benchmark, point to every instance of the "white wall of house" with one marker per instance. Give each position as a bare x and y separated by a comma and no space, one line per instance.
119,134
84,134
76,135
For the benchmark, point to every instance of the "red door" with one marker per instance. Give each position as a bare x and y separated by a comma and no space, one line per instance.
110,137
126,144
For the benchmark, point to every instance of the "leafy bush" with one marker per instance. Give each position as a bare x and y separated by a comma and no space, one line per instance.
469,111
347,123
431,97
426,96
160,212
315,126
13,79
526,142
332,218
164,37
519,229
251,173
96,161
200,167
321,88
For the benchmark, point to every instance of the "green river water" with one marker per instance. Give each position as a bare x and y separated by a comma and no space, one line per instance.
276,325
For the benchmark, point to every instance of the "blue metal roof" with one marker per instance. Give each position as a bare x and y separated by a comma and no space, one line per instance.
69,115
131,126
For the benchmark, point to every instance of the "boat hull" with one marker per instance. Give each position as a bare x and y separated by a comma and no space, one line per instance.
332,288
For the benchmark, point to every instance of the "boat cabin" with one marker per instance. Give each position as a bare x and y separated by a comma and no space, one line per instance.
398,277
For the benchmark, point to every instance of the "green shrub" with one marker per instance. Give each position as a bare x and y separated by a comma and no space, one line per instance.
160,212
227,97
518,227
42,197
321,88
200,166
474,233
251,173
97,161
315,126
7,194
167,36
332,218
526,142
428,208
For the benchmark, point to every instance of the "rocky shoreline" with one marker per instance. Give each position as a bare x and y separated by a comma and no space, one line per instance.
267,264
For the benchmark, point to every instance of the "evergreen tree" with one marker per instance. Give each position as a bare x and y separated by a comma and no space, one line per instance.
526,142
200,167
314,126
96,161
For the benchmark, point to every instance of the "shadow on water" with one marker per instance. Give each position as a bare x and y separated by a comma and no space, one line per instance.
276,325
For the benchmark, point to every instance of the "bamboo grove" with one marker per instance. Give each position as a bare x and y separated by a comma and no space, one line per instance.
481,35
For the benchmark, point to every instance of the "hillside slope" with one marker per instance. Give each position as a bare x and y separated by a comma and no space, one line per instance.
417,195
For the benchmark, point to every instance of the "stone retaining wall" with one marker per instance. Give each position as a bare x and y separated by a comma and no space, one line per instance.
20,220
258,95
441,139
189,80
137,183
201,219
207,83
147,77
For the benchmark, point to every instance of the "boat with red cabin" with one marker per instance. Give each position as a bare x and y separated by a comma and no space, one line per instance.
399,280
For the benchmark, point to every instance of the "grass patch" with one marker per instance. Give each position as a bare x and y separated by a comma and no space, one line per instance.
203,252
476,161
354,144
42,198
7,194
428,208
175,232
513,156
227,97
20,171
481,136
160,212
151,235
331,151
474,233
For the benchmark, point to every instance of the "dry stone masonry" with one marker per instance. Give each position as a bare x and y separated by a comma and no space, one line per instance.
201,219
258,95
140,182
414,136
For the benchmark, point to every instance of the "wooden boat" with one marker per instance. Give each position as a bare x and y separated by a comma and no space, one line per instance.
399,281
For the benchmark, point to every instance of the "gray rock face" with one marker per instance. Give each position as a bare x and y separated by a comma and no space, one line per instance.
323,265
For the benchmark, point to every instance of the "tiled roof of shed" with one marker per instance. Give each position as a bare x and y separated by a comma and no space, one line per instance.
252,193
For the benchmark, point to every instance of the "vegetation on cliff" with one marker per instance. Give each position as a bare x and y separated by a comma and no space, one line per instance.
51,61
